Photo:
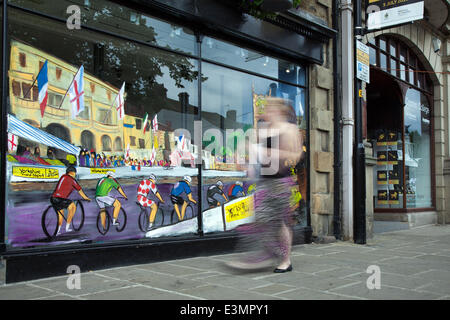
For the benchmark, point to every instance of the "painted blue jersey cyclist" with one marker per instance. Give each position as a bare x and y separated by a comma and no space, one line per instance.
180,188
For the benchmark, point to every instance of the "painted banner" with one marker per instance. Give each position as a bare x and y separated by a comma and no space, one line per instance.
240,210
101,171
35,173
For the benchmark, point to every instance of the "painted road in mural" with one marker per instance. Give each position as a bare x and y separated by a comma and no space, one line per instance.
26,210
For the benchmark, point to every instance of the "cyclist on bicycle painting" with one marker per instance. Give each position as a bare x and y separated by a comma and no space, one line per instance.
104,187
60,197
177,200
215,195
236,191
145,187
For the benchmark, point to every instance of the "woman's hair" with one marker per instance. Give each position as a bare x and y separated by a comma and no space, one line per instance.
284,107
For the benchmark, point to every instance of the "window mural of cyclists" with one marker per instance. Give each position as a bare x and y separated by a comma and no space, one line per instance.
114,121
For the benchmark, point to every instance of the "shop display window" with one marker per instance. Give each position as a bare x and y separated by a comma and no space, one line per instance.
400,126
121,101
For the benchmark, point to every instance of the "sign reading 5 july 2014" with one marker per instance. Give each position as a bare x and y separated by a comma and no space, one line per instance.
35,173
239,210
386,13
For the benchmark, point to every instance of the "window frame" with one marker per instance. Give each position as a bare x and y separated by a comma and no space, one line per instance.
424,86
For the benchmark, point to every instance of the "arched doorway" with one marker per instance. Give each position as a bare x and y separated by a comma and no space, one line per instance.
118,146
106,143
61,132
399,125
87,140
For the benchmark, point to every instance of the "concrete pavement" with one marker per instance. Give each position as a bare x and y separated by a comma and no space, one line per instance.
413,264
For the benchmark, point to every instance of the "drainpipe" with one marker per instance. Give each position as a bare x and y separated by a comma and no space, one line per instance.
337,127
360,158
347,118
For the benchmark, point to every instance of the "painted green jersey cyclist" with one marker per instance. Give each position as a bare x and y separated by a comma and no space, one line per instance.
104,187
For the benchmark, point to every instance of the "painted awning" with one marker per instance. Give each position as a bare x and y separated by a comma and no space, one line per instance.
27,131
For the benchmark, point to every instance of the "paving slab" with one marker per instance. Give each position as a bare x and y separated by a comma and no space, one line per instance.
384,293
24,292
138,292
414,264
89,283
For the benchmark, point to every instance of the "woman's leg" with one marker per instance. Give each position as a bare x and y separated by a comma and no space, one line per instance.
285,246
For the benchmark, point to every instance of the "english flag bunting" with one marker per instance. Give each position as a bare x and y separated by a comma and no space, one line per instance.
127,155
13,141
153,155
76,92
155,123
42,80
120,103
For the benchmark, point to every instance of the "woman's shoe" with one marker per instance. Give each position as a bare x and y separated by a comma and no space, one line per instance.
283,270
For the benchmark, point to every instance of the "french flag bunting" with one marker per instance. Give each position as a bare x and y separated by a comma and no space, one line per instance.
42,80
76,92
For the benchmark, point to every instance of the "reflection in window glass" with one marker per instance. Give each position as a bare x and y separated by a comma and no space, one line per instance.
383,61
393,67
106,15
383,44
229,54
411,76
417,150
403,71
373,56
392,48
402,54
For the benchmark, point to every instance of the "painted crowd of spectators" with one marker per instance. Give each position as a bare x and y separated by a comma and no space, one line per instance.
89,158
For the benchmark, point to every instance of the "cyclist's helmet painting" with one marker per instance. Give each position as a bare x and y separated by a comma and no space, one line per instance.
111,174
152,177
187,179
219,183
71,169
239,183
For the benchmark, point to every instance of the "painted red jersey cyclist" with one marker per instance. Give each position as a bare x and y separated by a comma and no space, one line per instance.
146,188
60,197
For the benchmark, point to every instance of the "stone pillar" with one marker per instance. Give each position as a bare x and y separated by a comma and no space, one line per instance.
371,162
322,158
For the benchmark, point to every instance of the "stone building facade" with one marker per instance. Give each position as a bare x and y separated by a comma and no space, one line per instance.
422,38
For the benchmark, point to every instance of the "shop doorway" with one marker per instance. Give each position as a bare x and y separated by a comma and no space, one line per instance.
385,106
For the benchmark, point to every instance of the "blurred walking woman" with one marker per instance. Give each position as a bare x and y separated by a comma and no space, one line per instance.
279,150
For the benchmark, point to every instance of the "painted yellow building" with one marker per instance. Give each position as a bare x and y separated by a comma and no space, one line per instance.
97,127
141,145
133,134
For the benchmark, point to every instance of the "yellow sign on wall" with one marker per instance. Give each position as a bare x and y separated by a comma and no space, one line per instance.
240,210
35,173
101,171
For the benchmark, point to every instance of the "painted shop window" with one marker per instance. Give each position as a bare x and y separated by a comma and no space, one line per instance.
118,87
115,118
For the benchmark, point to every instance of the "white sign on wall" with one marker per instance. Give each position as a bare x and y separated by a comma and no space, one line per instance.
386,13
362,62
